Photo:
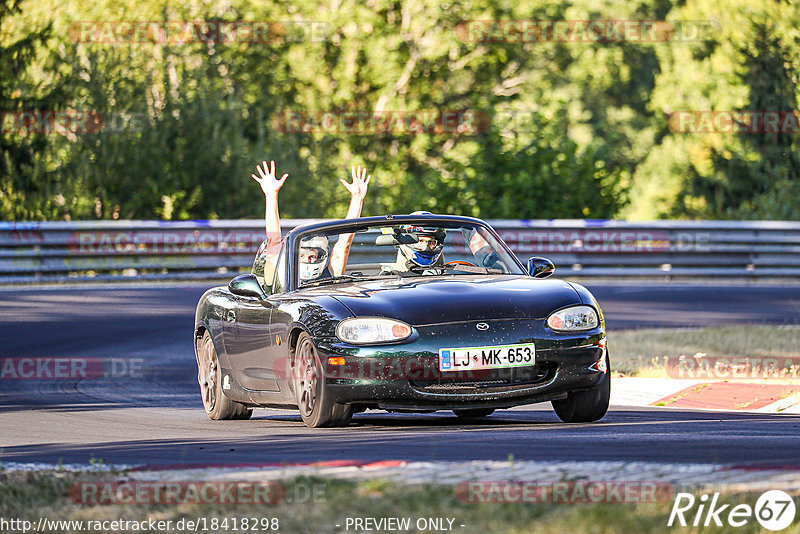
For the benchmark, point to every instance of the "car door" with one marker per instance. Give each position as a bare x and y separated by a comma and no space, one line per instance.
280,322
251,345
251,340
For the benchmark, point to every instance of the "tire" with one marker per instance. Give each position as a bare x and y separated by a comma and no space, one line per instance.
473,413
209,375
586,406
313,399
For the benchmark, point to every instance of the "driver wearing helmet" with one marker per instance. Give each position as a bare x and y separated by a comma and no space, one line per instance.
424,255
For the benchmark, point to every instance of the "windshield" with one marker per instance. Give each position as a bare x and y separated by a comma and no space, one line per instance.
402,250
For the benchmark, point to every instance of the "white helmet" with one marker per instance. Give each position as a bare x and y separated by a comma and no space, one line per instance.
312,269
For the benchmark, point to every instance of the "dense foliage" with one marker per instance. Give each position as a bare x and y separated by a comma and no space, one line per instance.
562,128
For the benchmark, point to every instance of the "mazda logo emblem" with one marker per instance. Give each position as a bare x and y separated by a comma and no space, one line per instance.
482,326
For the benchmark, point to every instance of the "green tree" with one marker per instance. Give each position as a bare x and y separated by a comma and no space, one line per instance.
747,62
27,182
205,111
550,177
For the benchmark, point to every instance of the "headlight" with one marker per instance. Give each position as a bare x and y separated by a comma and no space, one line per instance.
368,330
572,319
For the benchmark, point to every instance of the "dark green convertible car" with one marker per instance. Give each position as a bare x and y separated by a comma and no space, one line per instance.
404,313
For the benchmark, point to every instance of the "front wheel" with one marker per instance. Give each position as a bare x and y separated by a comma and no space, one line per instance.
586,406
314,401
209,374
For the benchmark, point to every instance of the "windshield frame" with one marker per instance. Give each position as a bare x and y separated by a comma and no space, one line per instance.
344,226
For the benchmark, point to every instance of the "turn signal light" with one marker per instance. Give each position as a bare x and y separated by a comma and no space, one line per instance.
599,365
401,330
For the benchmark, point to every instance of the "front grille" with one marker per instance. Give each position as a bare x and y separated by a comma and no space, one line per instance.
512,378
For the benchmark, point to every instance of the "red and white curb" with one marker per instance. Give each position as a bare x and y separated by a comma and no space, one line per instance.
722,477
718,477
735,396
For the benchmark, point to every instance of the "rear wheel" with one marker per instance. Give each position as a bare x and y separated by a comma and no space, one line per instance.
209,374
586,406
473,413
314,401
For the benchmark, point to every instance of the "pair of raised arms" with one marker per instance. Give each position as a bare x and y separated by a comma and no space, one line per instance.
270,185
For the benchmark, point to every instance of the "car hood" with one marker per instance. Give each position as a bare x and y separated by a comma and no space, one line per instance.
420,301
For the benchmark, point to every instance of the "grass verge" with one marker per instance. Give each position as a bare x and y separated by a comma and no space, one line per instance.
31,495
644,353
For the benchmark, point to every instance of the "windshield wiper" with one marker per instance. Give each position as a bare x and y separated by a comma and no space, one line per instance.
399,274
333,280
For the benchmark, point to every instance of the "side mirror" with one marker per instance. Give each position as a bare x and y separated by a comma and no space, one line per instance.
246,285
540,267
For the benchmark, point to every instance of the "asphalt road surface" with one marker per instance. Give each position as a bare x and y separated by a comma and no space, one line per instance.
154,415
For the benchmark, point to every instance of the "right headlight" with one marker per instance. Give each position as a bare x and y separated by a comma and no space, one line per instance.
573,319
372,330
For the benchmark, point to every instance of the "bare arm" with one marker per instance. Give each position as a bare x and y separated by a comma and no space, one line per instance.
477,242
358,190
485,256
270,186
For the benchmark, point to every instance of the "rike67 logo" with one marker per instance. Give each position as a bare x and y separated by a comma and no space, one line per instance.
774,510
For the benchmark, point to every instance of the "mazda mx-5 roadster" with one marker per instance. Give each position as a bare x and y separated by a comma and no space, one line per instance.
404,313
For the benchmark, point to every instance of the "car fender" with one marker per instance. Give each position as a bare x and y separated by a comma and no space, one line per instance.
587,298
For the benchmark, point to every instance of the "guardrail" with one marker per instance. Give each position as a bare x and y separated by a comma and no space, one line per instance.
116,250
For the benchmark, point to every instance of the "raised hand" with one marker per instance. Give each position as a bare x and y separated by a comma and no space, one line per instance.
266,179
358,189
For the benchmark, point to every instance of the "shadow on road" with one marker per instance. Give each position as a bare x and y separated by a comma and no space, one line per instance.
624,435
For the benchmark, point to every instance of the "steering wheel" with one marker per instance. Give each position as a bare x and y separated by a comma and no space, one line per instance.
460,262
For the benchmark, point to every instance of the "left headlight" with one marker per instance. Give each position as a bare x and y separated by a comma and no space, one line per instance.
370,330
573,319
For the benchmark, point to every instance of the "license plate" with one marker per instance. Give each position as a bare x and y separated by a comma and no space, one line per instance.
493,357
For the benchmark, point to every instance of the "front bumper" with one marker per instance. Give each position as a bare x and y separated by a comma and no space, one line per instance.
406,376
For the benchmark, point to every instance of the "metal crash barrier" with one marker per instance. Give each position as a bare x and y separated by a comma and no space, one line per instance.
183,250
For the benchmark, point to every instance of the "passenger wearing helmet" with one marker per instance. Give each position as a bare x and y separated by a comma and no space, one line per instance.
314,260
